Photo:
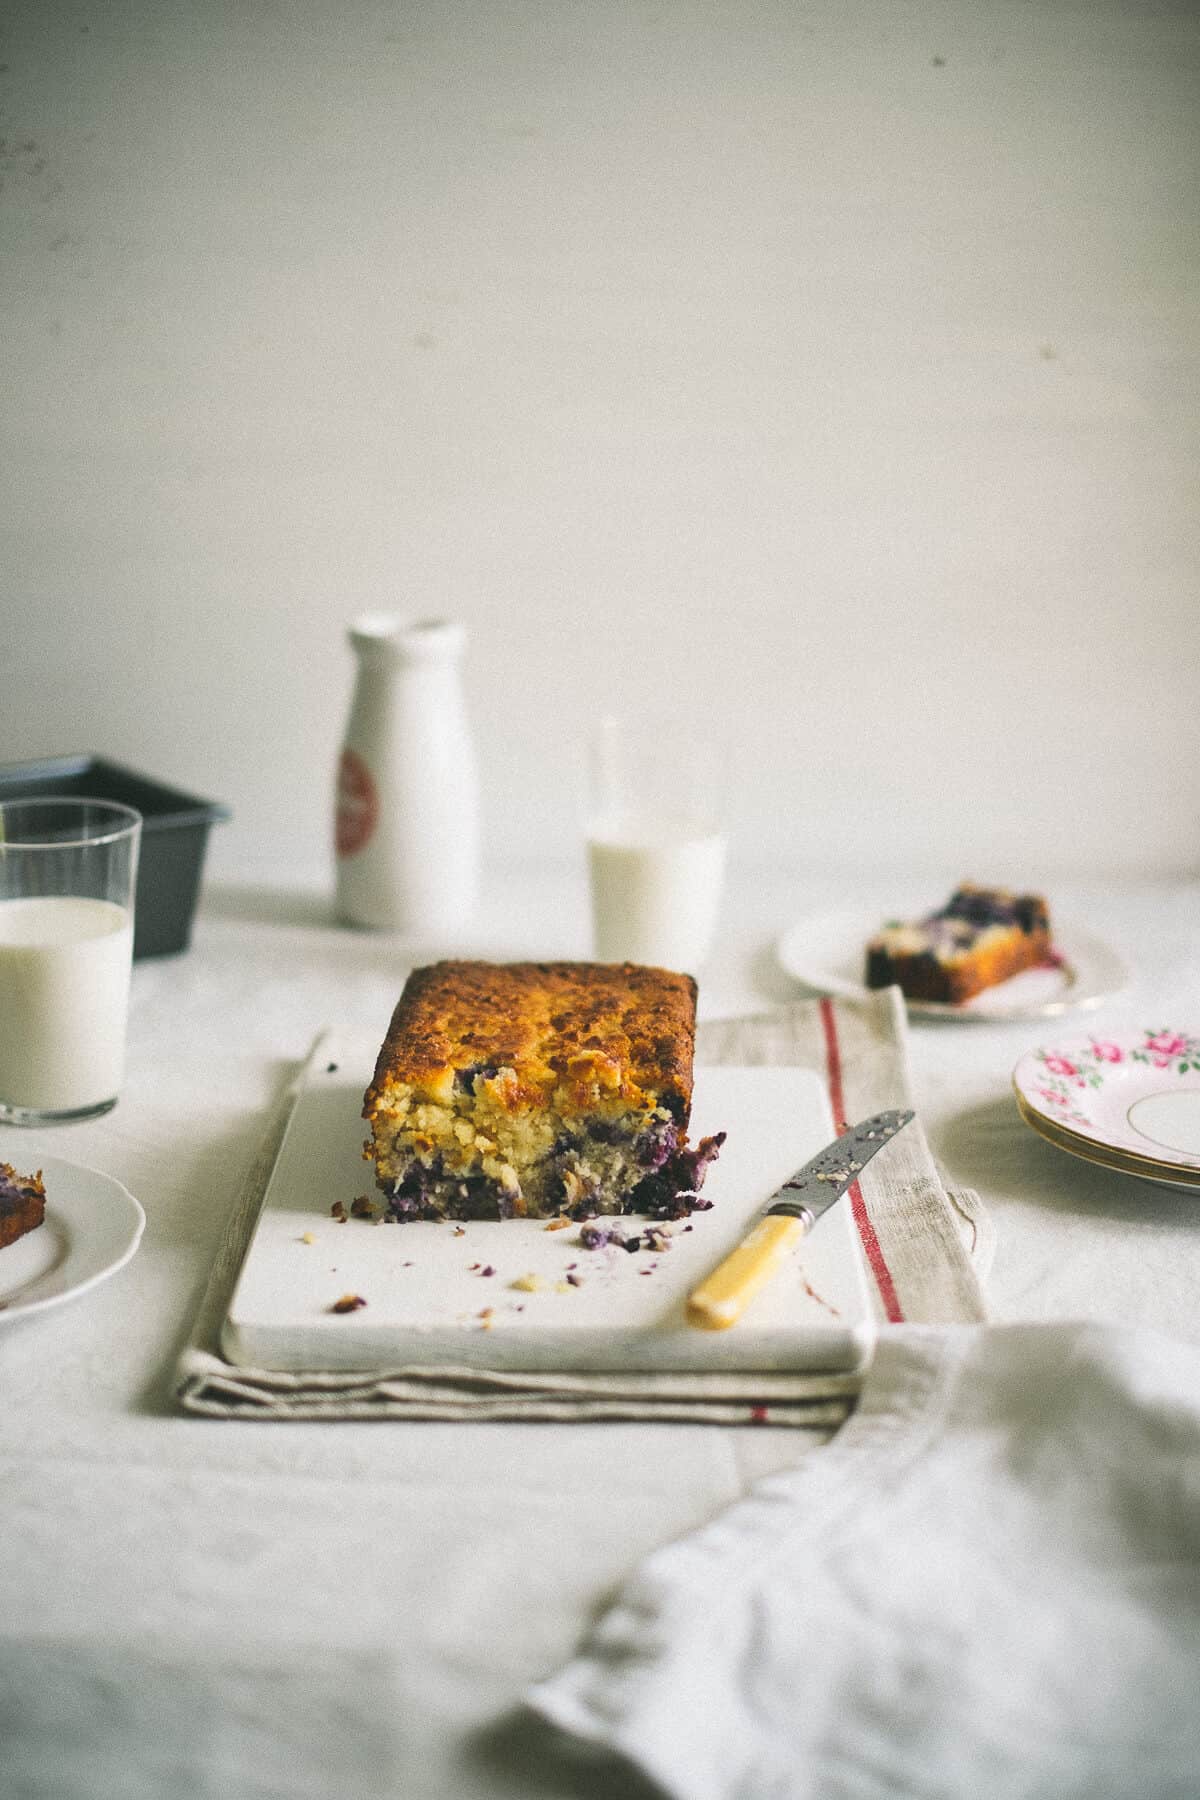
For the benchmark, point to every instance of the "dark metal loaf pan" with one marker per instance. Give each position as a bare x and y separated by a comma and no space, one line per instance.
174,837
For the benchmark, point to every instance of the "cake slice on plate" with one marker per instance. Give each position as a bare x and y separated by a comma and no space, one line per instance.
22,1203
982,936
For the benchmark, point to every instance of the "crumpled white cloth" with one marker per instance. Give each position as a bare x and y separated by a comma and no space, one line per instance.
986,1588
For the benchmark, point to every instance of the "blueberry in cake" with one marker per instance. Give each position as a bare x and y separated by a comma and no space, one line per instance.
22,1203
528,1090
980,937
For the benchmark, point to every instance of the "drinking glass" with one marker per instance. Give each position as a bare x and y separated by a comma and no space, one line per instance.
656,847
67,875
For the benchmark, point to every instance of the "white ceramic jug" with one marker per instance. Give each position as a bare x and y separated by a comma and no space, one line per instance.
407,831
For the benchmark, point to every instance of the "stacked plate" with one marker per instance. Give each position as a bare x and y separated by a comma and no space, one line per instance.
1129,1102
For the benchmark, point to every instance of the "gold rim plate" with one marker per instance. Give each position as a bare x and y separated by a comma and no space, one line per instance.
1124,1162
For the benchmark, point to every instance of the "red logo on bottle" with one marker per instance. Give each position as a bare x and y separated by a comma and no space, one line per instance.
357,805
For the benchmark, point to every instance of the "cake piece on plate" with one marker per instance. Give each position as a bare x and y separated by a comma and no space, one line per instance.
22,1203
980,937
525,1090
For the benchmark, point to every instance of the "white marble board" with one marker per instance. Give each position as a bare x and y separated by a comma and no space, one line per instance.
428,1302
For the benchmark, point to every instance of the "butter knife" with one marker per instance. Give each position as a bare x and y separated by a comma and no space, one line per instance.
793,1209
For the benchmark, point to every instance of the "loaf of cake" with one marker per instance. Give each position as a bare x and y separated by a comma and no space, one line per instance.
980,937
526,1090
22,1203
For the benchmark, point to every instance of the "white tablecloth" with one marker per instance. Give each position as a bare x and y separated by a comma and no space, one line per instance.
413,1579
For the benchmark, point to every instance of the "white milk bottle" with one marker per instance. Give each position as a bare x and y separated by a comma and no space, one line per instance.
407,825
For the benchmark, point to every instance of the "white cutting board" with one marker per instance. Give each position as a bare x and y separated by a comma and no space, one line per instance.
428,1302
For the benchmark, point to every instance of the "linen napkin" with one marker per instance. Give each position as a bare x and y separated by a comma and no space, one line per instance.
988,1585
925,1249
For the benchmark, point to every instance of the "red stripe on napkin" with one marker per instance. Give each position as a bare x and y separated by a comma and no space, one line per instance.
892,1309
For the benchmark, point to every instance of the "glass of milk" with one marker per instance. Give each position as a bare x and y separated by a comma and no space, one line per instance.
67,875
656,847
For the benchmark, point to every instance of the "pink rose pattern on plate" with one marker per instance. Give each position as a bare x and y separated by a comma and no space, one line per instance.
1087,1066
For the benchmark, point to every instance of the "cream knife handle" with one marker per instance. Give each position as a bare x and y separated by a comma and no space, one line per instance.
723,1296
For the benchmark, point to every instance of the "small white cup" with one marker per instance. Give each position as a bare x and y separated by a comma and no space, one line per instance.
656,847
68,870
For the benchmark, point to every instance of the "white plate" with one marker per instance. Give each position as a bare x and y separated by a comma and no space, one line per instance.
428,1301
827,952
1129,1100
92,1227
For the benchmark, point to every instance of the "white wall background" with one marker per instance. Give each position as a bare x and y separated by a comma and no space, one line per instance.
832,364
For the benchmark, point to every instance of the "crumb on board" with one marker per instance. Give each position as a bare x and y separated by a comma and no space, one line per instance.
460,1231
486,1317
596,1237
599,1237
529,1284
308,1237
338,1211
362,1207
559,1224
348,1303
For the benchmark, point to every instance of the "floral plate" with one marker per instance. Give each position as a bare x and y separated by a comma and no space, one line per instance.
1130,1102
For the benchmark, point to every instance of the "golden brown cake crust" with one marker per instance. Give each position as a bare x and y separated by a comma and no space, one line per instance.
522,1090
560,1026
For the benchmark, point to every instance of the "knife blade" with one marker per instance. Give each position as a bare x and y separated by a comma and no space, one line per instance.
793,1209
